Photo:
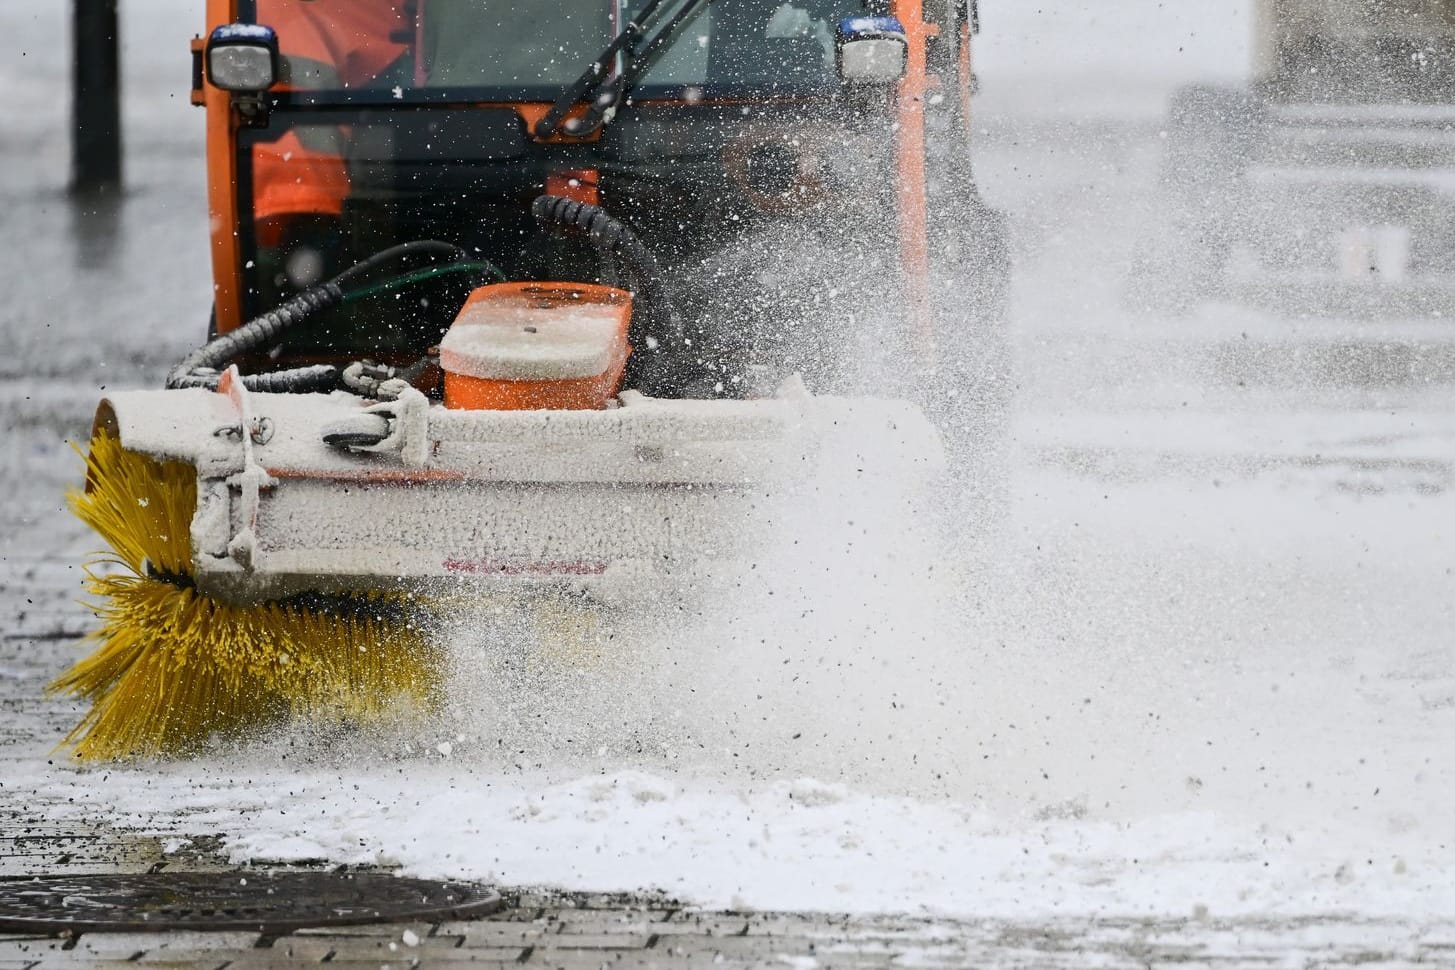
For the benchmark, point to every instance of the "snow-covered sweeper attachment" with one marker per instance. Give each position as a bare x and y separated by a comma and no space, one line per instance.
283,554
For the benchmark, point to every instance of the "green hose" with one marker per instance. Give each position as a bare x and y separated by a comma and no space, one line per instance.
420,275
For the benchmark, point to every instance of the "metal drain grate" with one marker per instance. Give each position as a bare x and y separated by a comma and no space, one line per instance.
269,902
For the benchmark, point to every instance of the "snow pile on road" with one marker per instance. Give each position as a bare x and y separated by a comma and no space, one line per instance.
785,845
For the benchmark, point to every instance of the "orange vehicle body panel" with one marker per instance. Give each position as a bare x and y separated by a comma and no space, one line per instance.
222,191
581,184
593,392
582,394
967,75
910,167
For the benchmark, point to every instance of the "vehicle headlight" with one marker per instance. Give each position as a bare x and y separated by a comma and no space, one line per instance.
242,57
871,50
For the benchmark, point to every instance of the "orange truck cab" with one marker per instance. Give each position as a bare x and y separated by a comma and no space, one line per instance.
792,169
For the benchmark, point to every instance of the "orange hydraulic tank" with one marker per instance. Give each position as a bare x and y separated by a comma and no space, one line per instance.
537,346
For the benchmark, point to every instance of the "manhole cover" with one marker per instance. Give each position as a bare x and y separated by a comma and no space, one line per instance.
263,901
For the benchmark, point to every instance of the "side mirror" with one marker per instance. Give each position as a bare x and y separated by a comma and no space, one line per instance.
242,58
871,50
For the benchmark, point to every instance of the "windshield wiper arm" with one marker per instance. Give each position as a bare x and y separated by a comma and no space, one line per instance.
593,79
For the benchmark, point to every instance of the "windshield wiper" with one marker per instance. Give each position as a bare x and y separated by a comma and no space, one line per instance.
593,80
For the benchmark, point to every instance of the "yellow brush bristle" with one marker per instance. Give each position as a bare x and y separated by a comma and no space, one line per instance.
174,667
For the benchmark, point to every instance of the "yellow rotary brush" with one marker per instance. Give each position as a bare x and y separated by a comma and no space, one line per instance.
173,667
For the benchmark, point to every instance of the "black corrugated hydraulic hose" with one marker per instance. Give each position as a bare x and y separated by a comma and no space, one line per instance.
611,236
203,366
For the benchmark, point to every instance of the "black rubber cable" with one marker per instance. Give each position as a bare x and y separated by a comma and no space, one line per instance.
203,366
609,235
419,247
664,362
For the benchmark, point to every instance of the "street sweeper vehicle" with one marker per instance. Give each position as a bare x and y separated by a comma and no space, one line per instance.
524,296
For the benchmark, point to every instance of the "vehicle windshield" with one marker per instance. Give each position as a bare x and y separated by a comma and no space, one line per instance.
418,49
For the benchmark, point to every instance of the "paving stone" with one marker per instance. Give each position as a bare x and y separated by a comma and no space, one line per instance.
111,963
77,955
370,930
60,960
702,926
855,961
365,946
761,947
493,933
435,946
26,949
312,948
503,951
267,960
656,959
259,961
569,960
595,941
632,960
189,941
609,917
601,924
74,960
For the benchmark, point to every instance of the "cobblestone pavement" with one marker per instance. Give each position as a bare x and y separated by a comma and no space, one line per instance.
579,932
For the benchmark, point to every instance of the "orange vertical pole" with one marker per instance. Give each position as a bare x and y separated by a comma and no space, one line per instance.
967,75
910,165
222,189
